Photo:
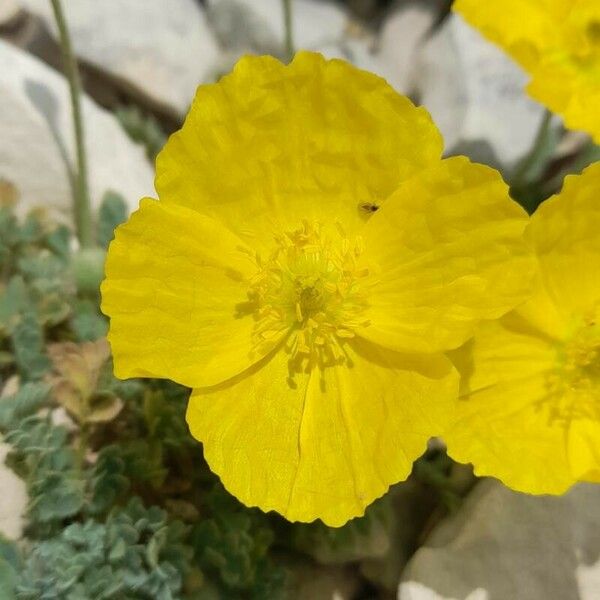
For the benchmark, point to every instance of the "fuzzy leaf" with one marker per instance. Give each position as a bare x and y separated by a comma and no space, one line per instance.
113,212
76,372
87,322
28,344
13,299
26,401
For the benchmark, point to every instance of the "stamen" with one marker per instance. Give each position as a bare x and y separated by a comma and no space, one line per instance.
574,385
308,289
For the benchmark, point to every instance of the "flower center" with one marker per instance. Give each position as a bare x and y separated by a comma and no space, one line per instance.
575,383
309,288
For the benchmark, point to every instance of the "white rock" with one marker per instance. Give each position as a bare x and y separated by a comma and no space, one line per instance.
258,25
401,37
13,499
37,136
162,49
9,9
417,591
508,545
476,94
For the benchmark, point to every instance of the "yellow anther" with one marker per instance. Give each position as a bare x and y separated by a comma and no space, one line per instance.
308,290
298,312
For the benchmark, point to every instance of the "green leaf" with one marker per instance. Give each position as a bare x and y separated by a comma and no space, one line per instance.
28,344
25,402
10,566
142,128
113,211
108,481
13,299
55,495
58,241
87,322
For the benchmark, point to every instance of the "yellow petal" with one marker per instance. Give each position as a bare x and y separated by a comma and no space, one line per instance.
564,232
511,424
175,290
571,92
558,43
593,476
323,444
524,28
445,251
270,145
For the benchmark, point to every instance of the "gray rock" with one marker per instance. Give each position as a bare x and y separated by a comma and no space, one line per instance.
402,36
505,545
412,505
310,582
161,50
9,9
13,499
476,94
258,25
37,140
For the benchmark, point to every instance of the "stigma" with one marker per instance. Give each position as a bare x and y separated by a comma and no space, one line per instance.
308,293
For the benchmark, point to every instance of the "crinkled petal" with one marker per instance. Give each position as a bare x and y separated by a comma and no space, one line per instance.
510,422
570,92
175,288
557,42
445,251
524,28
564,232
323,444
270,145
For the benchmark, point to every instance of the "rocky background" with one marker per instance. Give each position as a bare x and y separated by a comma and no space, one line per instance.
441,535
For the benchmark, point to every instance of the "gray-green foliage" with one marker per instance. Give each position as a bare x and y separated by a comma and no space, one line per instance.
182,536
35,289
142,128
135,553
234,543
113,211
85,537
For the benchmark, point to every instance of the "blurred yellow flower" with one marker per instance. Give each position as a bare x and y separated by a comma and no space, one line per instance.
532,379
309,260
557,42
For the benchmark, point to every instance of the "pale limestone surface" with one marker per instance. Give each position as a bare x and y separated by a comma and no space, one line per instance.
161,49
402,37
13,498
37,140
505,545
258,25
476,94
9,9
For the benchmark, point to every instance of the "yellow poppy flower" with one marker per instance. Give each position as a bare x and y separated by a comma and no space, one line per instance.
557,42
532,379
310,258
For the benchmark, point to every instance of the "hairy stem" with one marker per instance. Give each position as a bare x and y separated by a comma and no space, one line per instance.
289,34
81,196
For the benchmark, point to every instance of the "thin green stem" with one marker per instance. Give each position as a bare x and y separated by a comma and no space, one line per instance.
289,34
81,196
